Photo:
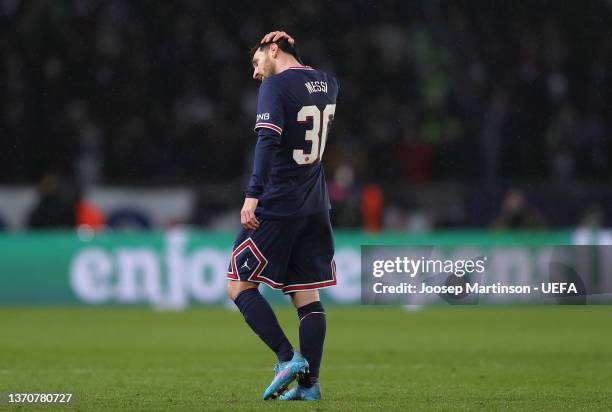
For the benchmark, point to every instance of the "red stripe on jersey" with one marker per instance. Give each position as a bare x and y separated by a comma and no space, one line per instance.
269,126
301,67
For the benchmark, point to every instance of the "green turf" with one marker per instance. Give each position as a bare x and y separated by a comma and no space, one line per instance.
453,358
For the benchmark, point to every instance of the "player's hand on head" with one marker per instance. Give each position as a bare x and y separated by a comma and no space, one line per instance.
276,36
247,214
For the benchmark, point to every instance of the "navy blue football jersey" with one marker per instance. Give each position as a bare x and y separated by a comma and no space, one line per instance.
298,105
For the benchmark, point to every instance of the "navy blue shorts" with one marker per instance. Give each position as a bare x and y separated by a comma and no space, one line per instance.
292,255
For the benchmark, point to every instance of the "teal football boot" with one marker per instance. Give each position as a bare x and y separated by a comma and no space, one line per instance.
300,393
284,374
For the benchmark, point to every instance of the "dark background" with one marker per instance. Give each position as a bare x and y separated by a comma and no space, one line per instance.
445,107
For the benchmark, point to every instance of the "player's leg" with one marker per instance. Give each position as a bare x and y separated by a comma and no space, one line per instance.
256,253
261,256
312,336
313,327
259,315
261,318
235,288
311,267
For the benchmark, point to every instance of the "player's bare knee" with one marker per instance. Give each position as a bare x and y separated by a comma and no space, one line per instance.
300,299
235,288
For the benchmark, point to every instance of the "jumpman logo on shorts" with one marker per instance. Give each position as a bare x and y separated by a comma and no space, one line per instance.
246,264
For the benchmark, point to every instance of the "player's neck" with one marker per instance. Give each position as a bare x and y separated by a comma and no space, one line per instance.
285,62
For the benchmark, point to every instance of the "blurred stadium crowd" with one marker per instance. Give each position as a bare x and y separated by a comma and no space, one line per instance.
454,100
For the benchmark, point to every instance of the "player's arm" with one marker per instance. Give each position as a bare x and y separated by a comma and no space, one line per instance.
269,128
267,145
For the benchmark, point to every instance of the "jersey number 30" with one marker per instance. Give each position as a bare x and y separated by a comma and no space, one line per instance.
317,135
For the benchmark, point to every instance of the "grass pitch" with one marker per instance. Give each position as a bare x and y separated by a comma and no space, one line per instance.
451,358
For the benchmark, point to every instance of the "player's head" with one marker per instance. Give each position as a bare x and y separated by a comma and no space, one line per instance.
265,57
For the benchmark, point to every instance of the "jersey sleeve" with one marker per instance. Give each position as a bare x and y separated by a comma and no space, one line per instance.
270,111
266,147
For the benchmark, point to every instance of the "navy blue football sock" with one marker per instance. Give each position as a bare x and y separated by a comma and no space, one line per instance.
261,318
312,336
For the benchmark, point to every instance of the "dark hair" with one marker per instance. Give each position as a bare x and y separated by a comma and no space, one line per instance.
283,44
